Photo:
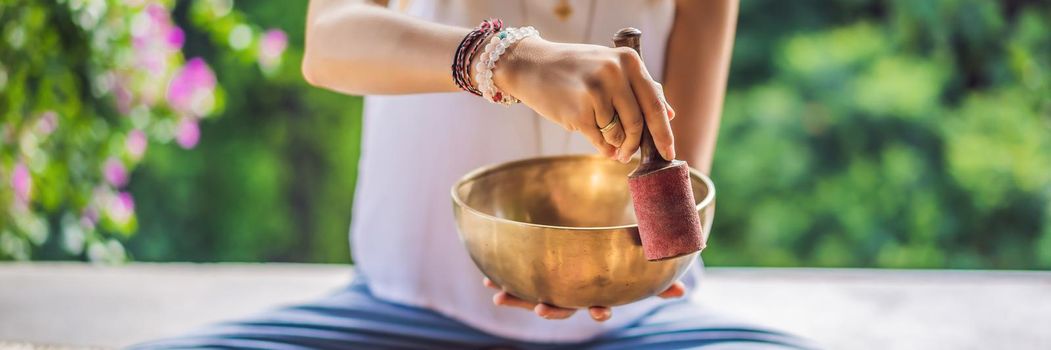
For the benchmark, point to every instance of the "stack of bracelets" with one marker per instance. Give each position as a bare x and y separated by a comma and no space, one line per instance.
496,40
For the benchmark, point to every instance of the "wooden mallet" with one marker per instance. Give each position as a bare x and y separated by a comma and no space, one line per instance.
661,192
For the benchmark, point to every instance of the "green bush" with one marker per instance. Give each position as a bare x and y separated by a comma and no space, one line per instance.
273,177
902,134
86,86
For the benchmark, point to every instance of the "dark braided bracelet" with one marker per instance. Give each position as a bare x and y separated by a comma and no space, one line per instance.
474,51
458,57
467,49
461,61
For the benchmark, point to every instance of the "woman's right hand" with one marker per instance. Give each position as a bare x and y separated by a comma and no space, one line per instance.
581,86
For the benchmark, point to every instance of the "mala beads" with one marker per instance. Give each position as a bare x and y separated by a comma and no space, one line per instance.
492,40
496,47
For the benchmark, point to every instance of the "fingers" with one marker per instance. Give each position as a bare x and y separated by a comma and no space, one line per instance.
677,289
631,119
596,138
549,312
624,88
600,313
503,298
506,299
489,283
650,96
664,99
604,115
553,312
545,311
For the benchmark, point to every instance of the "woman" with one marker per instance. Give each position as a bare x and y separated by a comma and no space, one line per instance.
416,287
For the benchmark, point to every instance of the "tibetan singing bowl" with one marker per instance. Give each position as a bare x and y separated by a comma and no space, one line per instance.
561,230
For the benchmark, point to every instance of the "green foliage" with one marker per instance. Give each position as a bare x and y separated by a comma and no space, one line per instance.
86,85
272,179
908,134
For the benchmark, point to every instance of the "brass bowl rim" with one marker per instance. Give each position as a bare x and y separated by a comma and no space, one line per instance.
486,169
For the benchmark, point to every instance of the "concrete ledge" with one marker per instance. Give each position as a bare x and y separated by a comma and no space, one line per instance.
66,304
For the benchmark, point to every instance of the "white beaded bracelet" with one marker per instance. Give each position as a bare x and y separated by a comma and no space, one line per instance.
487,61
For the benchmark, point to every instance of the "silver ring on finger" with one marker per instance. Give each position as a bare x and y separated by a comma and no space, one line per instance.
612,124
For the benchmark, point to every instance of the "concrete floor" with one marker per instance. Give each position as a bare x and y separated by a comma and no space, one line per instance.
75,305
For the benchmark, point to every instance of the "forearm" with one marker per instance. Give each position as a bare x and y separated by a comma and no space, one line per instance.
358,48
696,68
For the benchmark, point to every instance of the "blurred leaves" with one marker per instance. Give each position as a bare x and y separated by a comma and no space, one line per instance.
85,86
273,177
901,134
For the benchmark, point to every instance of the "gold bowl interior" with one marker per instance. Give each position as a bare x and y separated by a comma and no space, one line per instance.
561,230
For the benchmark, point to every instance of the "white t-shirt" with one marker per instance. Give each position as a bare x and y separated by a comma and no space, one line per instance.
403,236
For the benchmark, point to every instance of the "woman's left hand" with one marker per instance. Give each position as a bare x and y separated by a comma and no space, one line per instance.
551,312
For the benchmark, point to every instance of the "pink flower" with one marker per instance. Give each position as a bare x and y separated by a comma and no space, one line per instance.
21,183
155,38
155,62
115,173
157,12
136,144
123,100
176,37
272,45
126,200
187,133
121,207
89,218
191,90
48,123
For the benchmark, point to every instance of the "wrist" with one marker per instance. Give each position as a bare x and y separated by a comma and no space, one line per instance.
516,60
